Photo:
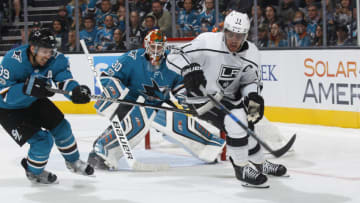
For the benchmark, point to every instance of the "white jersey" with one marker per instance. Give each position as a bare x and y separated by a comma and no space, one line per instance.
224,71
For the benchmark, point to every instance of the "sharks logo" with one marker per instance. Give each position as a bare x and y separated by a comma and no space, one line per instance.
17,55
155,92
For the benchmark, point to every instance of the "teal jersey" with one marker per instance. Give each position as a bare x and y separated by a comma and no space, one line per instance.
137,74
15,68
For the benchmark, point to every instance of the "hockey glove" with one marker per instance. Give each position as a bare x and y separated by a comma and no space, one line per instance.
193,78
35,86
80,94
254,107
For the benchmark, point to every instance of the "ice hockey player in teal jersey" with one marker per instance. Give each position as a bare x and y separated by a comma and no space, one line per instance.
143,74
29,116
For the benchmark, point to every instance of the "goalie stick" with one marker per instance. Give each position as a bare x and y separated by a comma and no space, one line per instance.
276,153
119,132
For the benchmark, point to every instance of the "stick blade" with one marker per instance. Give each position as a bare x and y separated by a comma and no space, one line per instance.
285,148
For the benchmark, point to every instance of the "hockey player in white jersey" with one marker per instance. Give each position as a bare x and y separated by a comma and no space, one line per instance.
226,64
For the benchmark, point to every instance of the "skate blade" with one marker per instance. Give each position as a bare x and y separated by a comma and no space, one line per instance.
283,176
35,183
262,186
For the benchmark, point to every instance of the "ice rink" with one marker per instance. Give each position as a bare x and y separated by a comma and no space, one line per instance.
325,168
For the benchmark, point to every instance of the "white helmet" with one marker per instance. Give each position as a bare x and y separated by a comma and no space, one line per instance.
237,22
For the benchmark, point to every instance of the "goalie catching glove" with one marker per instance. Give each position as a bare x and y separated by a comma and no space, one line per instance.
193,79
254,107
80,94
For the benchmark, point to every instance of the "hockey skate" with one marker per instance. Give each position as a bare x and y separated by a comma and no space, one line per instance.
80,167
43,178
269,168
97,161
249,177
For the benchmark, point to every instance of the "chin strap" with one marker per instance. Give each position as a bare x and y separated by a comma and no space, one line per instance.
36,49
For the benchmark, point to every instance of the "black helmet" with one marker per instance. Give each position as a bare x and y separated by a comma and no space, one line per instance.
42,37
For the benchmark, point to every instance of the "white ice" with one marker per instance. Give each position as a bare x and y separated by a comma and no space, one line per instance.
324,169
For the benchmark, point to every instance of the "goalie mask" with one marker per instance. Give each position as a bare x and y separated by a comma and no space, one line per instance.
236,28
155,46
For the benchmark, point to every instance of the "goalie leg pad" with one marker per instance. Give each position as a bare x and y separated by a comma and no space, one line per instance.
135,125
112,88
190,134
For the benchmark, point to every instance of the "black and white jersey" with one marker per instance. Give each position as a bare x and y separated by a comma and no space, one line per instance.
224,71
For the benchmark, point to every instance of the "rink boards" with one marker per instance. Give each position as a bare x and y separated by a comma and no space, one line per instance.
300,86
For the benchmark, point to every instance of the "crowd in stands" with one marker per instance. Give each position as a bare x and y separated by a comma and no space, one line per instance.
280,23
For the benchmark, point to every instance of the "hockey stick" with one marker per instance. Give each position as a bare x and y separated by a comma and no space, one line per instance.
276,153
132,103
119,131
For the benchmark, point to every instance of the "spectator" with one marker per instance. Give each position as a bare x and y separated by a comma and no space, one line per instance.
121,13
118,44
343,14
330,19
318,41
149,24
143,7
104,37
88,34
287,11
305,7
166,5
71,44
243,6
60,33
187,21
313,19
73,24
163,18
298,37
207,18
342,34
354,28
62,14
17,7
270,16
136,33
276,38
105,10
260,21
118,3
289,28
263,36
70,8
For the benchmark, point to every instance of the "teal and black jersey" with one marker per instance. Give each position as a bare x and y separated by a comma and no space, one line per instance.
135,71
15,68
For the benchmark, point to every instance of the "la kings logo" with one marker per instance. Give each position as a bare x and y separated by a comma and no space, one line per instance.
227,75
16,135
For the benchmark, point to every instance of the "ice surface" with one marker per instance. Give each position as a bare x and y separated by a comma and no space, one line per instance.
324,169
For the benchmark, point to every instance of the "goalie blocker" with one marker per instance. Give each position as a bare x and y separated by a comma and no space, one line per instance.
136,122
